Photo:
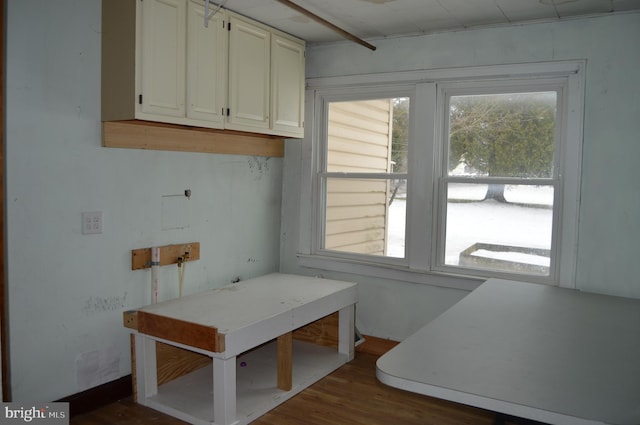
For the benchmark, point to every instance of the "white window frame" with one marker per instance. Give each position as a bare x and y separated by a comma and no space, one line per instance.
445,92
423,239
388,92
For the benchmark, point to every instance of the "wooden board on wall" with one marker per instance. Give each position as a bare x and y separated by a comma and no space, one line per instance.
169,254
136,134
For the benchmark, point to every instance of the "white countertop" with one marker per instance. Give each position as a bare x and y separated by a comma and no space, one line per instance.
534,351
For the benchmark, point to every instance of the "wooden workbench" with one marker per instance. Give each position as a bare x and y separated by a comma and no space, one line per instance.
248,330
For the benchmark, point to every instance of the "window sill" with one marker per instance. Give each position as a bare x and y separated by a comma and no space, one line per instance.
388,271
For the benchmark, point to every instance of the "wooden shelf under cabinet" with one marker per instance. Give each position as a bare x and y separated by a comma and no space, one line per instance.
136,134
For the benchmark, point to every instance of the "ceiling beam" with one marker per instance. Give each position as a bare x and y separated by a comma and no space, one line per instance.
328,24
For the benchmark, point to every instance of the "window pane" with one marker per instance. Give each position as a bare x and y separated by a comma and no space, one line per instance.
368,136
366,216
512,235
502,135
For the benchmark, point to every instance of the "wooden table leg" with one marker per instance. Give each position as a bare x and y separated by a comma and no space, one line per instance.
134,376
285,361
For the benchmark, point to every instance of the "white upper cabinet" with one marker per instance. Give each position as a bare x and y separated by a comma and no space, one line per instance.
162,71
206,66
287,86
160,62
182,72
266,79
249,70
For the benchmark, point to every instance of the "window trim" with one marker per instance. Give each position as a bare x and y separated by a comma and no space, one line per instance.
419,264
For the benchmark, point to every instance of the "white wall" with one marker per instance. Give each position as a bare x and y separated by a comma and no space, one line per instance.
609,228
67,291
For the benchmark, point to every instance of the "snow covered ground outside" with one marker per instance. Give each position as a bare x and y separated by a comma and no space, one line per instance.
526,221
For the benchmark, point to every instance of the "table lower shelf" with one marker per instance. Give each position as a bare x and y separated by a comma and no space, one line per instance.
190,397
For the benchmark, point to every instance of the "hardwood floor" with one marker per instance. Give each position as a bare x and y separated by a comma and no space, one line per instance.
350,395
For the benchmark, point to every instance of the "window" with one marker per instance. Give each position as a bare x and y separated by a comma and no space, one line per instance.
499,179
364,176
447,173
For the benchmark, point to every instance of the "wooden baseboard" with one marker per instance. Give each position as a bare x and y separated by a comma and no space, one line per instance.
99,396
375,345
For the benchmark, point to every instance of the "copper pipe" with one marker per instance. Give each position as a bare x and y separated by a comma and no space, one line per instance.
326,23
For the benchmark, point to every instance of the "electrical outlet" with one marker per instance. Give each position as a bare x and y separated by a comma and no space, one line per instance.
92,223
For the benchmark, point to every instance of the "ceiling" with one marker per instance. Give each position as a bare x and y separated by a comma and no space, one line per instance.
371,19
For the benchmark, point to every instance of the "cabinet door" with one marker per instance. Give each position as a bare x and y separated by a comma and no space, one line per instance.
206,65
249,69
287,86
162,67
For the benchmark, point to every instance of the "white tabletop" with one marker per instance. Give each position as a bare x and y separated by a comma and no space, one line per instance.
545,353
247,302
